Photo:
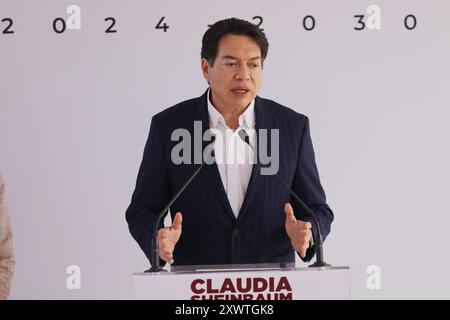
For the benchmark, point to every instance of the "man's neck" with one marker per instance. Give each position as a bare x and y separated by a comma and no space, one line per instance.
230,114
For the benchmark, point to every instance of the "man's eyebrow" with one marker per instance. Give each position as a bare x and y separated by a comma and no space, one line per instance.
237,59
230,57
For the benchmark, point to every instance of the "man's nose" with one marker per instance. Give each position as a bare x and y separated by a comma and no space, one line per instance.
243,73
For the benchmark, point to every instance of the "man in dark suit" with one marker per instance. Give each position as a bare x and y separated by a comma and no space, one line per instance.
230,213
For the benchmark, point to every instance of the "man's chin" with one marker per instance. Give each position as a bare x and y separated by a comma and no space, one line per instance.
243,102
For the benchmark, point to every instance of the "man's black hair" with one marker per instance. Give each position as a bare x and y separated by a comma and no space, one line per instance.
211,38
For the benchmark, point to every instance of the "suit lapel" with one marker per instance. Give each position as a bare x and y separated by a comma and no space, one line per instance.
262,121
211,172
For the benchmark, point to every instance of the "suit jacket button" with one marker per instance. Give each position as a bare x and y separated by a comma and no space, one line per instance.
236,231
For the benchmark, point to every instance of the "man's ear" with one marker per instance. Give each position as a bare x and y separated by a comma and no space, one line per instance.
205,68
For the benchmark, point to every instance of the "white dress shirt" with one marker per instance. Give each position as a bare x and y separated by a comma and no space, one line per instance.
234,157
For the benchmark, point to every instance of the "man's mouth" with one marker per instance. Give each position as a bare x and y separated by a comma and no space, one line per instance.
240,91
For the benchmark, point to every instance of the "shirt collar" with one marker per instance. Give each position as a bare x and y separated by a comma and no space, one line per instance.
246,120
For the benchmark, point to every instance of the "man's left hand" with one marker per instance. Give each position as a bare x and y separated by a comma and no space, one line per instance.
298,231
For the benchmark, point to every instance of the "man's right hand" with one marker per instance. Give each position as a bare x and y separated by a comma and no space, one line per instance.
168,238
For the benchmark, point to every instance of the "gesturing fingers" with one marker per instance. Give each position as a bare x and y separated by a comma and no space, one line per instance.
303,249
301,237
290,217
166,247
166,252
167,257
178,219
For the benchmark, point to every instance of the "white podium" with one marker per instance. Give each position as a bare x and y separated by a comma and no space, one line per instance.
243,282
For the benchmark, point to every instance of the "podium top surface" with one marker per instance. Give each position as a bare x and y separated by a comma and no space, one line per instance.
189,269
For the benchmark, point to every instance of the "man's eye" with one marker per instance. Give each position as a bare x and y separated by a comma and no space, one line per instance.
255,65
230,64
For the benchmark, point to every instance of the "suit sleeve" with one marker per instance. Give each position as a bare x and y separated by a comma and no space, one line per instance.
307,185
152,191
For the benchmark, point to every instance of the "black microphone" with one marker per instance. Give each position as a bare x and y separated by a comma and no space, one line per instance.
154,258
318,240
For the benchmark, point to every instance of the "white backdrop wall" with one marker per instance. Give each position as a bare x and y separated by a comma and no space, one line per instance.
75,110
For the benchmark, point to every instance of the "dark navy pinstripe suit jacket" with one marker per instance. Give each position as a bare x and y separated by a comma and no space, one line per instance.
211,234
